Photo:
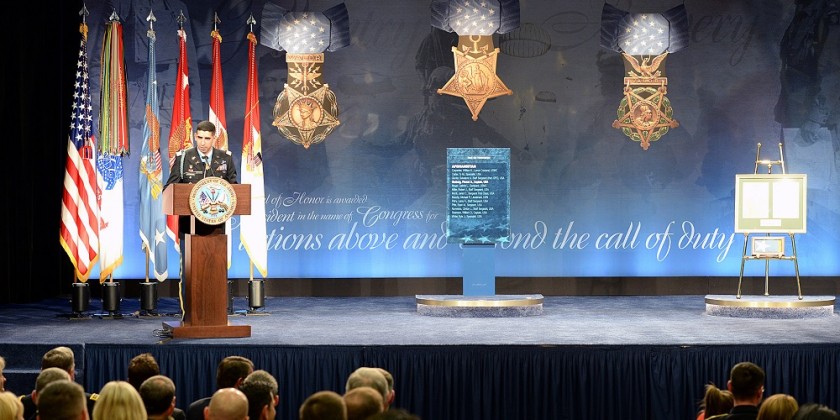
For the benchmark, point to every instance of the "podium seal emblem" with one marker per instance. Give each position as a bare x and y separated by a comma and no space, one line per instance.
212,200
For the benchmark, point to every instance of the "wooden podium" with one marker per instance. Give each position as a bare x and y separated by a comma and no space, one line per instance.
205,268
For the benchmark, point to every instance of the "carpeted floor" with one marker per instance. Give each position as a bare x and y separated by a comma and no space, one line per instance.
608,320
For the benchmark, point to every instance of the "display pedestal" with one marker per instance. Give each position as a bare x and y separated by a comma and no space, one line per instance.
479,266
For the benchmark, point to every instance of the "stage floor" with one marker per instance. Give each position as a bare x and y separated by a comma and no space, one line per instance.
572,320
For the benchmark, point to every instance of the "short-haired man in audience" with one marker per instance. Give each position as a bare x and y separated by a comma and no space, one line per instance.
62,400
363,402
323,405
142,367
369,377
46,377
227,404
230,373
389,379
261,390
158,395
63,358
746,383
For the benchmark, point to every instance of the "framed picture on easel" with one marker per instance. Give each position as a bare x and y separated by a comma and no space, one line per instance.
771,203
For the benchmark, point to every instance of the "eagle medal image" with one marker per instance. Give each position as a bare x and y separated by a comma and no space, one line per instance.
212,200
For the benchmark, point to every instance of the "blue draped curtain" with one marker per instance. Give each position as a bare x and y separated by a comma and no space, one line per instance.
498,382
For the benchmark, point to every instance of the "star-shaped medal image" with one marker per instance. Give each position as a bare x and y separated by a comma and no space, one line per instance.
475,79
475,22
302,118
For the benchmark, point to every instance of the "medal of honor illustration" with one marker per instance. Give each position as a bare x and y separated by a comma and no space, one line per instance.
306,112
475,21
644,40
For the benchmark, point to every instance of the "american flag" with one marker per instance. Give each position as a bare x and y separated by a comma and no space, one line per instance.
80,200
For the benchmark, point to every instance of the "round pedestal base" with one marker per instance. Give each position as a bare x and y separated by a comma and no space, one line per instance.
460,306
772,307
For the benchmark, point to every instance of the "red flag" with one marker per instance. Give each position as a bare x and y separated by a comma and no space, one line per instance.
80,200
217,95
180,130
252,230
217,114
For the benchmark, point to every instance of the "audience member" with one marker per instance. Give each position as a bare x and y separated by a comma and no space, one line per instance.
118,400
746,383
10,406
142,367
323,405
62,400
2,378
394,414
389,379
715,402
369,377
63,358
227,404
230,373
813,411
778,407
363,402
261,390
158,395
46,377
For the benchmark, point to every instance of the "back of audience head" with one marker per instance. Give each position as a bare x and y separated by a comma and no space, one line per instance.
746,383
46,377
389,379
2,377
394,414
227,404
60,357
62,400
323,405
142,367
363,402
232,370
158,395
10,406
813,411
778,407
716,401
369,377
118,400
261,390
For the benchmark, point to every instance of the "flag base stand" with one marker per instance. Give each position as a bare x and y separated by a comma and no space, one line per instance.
79,302
111,301
256,299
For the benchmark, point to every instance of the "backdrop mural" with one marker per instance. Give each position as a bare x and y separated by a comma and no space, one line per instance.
586,200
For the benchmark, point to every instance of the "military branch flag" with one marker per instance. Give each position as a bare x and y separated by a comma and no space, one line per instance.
152,219
252,232
180,129
217,110
79,232
113,144
217,93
